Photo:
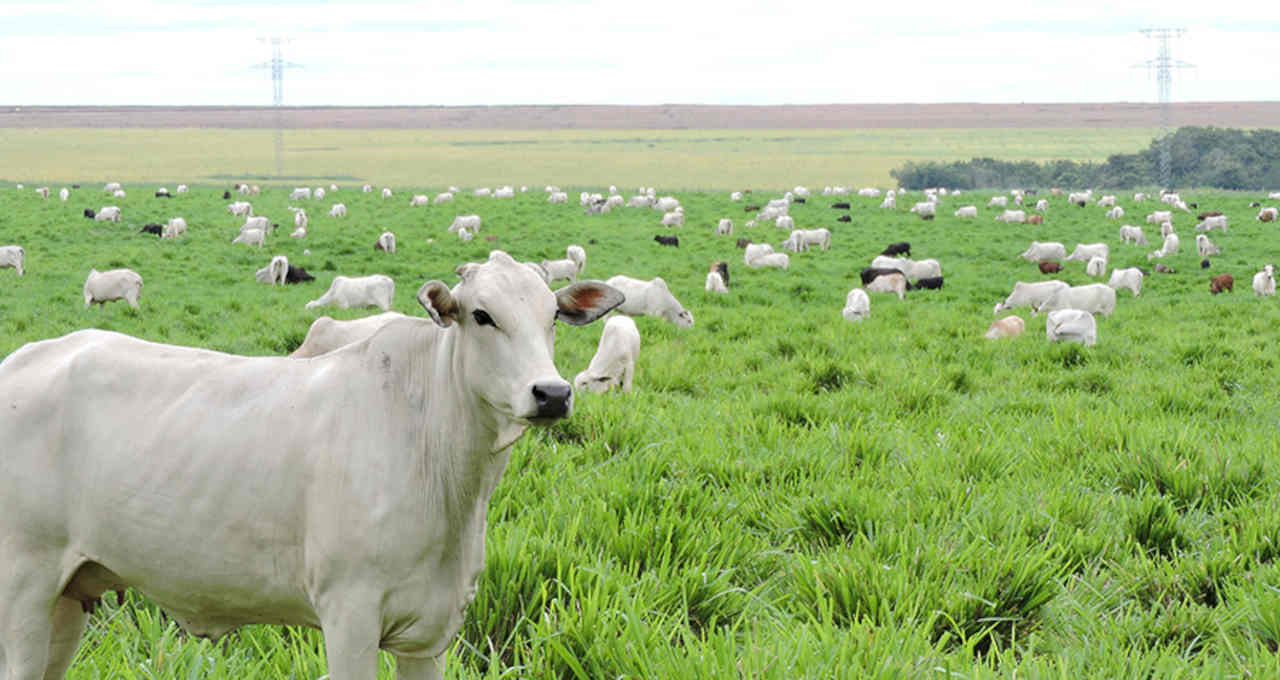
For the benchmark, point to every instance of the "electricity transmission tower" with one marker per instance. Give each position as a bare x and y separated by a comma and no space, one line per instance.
277,64
1163,65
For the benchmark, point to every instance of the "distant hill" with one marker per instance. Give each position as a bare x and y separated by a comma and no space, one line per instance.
660,117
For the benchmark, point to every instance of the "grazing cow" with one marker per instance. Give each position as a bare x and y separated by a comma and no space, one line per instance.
1160,216
998,202
925,209
912,269
1007,327
276,271
326,334
344,292
579,257
43,192
672,219
1097,298
108,188
1132,234
844,218
162,193
668,240
226,195
801,239
258,222
743,242
1264,282
1164,269
898,248
115,284
735,196
251,237
715,283
1049,250
444,197
1087,251
560,270
296,194
614,363
1170,247
1097,266
650,298
890,202
240,209
108,213
889,283
722,268
386,242
1042,205
469,222
869,274
841,205
1130,279
1049,267
182,189
1012,216
928,283
380,549
155,229
1205,264
1035,219
1220,283
419,200
1268,214
1115,213
175,227
338,210
1166,228
774,260
1216,221
1030,294
1071,325
749,208
785,222
857,305
1208,213
1206,247
756,250
1107,201
13,256
724,227
88,213
386,192
967,211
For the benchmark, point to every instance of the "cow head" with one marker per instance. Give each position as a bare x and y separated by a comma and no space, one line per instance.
503,317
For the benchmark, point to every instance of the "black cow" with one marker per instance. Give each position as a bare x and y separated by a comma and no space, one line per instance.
226,195
152,229
75,186
1204,264
1081,203
798,200
743,242
1255,204
668,240
722,268
89,214
842,205
930,283
297,275
899,248
927,217
869,274
844,218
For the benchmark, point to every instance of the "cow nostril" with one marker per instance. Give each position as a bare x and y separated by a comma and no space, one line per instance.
552,399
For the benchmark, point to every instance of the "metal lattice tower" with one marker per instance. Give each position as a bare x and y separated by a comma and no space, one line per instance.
1163,65
277,66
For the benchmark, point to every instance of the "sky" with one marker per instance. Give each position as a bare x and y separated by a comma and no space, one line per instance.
478,52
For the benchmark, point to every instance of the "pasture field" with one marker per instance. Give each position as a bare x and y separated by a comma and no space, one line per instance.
785,494
692,159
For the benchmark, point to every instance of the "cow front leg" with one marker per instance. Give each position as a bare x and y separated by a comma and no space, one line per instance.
351,643
430,668
26,623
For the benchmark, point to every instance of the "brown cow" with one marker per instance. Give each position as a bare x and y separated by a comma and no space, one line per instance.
1222,282
1209,213
1163,269
751,208
1035,219
743,242
1049,267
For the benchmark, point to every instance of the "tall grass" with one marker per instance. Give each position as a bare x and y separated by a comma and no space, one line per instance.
784,494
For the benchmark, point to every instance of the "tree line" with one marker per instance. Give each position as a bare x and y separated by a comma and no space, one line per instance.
1223,158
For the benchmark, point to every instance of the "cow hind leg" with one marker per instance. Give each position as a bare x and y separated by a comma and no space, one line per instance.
26,625
431,668
69,618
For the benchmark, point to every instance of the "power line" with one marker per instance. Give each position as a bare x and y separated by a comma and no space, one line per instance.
277,64
1163,66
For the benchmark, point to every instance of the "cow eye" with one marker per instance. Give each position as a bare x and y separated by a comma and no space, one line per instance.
482,317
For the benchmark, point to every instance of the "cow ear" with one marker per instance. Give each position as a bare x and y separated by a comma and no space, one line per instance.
438,300
585,301
464,271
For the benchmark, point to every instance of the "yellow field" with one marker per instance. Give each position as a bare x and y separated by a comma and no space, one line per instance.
673,159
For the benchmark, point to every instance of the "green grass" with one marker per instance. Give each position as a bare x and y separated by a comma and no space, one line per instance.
784,494
691,159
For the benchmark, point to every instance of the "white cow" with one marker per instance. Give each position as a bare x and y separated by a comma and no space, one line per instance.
276,271
1268,215
108,213
1042,205
561,270
1049,250
558,197
119,193
579,257
444,197
240,209
640,201
1140,197
504,192
115,284
724,227
338,210
774,260
1115,213
1097,266
1160,216
259,222
755,251
386,242
1216,221
1206,247
666,204
280,520
650,298
419,200
1007,327
1130,278
1030,294
998,202
869,192
297,193
366,189
375,290
182,189
175,227
1097,298
914,270
300,219
109,187
967,211
672,219
1166,228
889,283
890,202
1133,234
1170,247
1264,282
800,240
464,235
1012,216
252,237
318,194
13,256
470,222
715,283
386,193
614,363
1108,201
1087,251
925,208
735,196
857,305
1071,325
326,334
64,194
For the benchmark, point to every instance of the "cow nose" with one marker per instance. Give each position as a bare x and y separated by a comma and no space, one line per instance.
552,399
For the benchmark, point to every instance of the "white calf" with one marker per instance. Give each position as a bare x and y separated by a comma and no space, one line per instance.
614,363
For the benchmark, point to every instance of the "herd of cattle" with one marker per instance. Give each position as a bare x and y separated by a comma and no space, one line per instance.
350,492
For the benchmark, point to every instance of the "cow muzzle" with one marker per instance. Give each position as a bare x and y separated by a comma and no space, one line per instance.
553,400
